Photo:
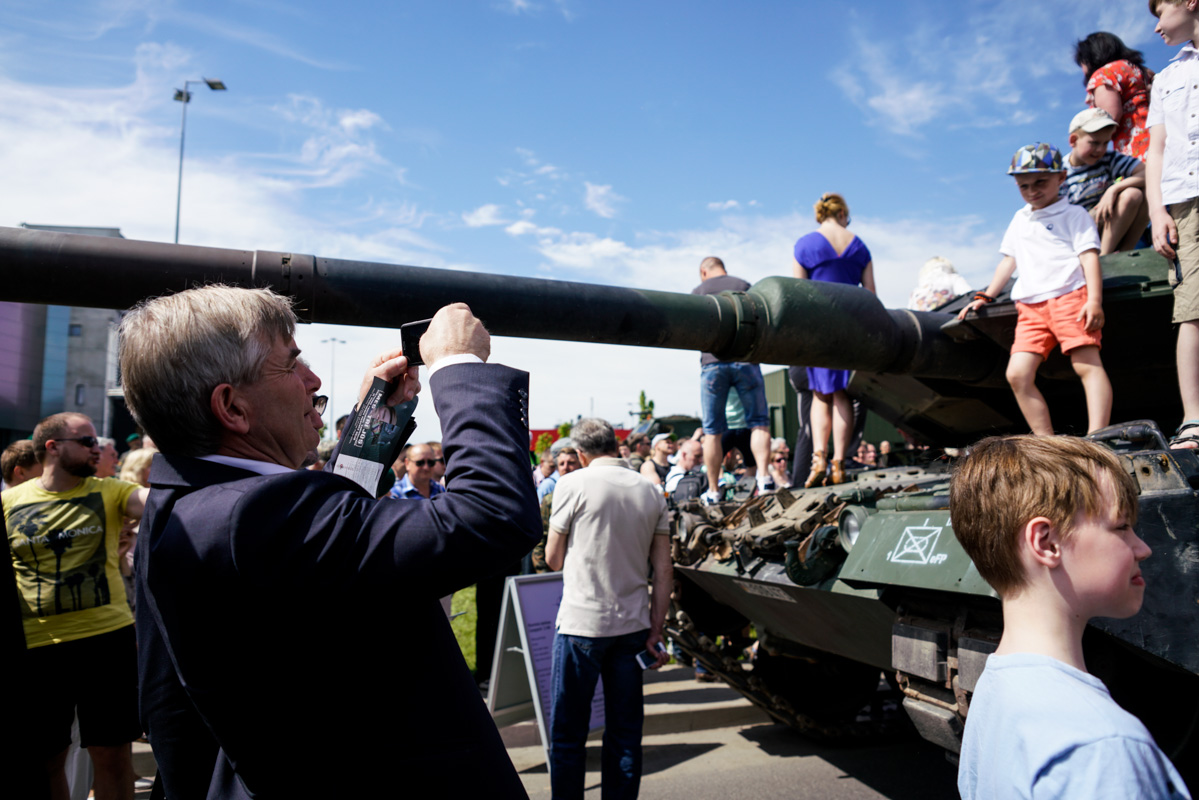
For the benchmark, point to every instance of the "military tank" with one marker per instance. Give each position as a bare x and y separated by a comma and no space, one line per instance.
838,586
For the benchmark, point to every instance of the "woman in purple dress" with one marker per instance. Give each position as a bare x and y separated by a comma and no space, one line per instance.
831,253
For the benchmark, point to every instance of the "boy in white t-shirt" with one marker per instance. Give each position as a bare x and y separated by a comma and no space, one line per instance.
1059,292
1172,192
1048,522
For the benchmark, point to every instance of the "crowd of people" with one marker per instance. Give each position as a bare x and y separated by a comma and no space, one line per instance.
228,635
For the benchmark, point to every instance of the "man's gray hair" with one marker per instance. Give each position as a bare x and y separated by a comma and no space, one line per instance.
105,441
175,350
594,437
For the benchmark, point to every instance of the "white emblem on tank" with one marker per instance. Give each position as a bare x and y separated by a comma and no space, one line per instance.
917,544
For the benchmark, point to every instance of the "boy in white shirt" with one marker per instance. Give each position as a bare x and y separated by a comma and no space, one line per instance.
1172,189
1059,293
1048,522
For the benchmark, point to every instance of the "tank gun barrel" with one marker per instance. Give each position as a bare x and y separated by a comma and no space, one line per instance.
780,320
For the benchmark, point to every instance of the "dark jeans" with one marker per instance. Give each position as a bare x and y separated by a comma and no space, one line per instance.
578,662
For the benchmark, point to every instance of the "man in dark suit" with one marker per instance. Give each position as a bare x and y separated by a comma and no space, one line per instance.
290,638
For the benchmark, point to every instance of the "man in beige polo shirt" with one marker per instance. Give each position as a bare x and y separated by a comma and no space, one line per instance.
608,527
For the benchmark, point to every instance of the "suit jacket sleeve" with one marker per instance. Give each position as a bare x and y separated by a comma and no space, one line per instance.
342,539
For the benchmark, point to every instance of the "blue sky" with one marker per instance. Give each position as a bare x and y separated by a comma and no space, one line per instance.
612,142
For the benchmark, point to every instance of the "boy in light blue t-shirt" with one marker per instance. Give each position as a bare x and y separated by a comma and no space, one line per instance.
1048,522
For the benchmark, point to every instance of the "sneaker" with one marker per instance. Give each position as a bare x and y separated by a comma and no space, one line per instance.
766,485
709,498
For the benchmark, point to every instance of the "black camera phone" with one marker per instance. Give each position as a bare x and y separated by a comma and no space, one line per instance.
410,334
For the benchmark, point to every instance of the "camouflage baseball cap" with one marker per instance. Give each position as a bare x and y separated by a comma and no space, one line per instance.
1039,157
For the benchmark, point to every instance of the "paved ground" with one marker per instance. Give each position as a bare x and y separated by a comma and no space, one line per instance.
766,761
706,741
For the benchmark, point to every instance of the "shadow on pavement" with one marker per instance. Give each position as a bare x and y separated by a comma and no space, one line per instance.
654,757
671,673
905,769
710,694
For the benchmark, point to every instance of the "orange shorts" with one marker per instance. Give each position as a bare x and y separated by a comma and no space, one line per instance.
1041,326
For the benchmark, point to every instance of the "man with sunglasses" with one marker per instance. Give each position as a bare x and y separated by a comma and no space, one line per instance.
416,483
63,528
288,622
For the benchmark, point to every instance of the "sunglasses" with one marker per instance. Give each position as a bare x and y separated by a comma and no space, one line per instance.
427,462
320,403
87,441
780,458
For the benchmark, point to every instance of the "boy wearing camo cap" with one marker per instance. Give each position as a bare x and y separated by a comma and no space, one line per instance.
1059,293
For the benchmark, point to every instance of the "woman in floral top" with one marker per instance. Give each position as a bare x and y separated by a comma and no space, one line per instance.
1118,82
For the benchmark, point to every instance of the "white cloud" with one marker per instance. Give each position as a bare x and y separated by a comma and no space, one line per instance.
974,70
242,34
484,216
1127,20
521,227
517,6
336,149
725,206
601,199
359,120
583,251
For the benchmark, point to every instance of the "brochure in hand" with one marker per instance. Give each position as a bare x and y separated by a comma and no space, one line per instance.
375,438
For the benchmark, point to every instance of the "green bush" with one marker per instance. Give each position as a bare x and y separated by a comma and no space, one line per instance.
464,626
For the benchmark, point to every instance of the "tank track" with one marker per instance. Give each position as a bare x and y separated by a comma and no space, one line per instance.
880,718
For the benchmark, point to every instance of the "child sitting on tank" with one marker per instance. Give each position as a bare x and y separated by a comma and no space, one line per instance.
1109,185
1048,522
1059,292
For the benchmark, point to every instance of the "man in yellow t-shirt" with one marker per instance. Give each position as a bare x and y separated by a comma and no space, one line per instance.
63,529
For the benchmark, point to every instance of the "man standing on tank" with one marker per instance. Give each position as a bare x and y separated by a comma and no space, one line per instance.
717,378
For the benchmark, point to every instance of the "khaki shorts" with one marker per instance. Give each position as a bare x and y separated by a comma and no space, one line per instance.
1183,275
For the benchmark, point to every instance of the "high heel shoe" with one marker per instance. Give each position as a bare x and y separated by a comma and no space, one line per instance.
819,465
837,472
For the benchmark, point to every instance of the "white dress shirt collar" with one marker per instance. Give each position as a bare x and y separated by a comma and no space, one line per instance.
249,464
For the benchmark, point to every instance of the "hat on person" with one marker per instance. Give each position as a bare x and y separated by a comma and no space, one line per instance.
1090,120
658,438
1037,157
133,437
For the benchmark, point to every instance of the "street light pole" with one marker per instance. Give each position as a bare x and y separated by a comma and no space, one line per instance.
333,341
184,96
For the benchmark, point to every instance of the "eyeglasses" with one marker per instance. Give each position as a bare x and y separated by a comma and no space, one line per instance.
780,458
87,441
427,462
320,403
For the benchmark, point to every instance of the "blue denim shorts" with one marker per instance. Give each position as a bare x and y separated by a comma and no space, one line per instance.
715,382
